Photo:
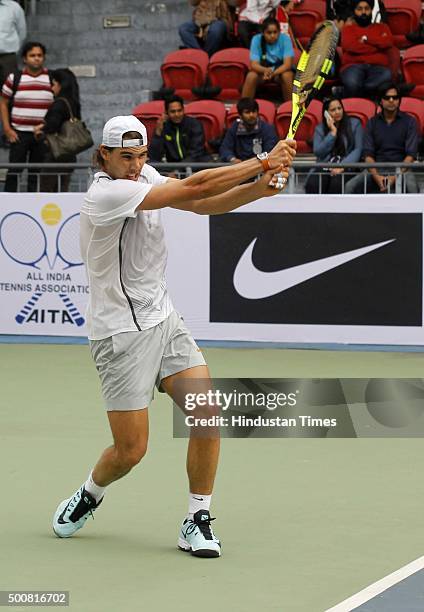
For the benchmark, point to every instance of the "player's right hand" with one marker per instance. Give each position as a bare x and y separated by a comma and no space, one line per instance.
283,154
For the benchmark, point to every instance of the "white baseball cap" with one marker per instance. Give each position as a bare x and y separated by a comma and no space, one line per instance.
116,127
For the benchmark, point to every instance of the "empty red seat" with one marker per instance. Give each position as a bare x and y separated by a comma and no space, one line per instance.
182,70
266,112
212,115
403,17
305,131
149,113
413,69
227,69
414,107
305,17
360,108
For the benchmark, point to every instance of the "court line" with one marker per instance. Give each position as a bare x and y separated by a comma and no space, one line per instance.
371,591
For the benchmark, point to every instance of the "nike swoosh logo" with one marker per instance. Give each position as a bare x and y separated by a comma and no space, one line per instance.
198,498
60,519
254,284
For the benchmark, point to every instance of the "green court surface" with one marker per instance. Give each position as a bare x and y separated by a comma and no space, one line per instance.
305,523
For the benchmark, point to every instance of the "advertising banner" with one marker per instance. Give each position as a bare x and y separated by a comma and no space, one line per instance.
295,269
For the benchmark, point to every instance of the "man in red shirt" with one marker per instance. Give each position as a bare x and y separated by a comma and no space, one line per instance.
365,45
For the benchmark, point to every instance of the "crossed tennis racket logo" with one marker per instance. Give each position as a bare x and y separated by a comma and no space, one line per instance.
24,240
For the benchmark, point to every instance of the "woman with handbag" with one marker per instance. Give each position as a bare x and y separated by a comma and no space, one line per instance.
66,106
338,139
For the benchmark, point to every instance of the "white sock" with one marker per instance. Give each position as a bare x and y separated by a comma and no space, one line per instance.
198,501
94,489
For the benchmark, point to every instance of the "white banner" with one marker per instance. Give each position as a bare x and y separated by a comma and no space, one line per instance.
44,291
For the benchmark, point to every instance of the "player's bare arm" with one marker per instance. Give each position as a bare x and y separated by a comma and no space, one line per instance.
208,183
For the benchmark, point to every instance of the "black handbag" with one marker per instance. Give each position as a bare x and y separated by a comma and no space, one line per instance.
72,138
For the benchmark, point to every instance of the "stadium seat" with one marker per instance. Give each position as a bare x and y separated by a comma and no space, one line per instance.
414,107
227,69
266,112
149,113
212,115
182,70
305,17
360,108
403,17
305,131
413,69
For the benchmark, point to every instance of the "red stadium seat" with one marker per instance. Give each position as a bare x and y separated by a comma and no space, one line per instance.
414,107
182,70
413,69
212,115
227,69
266,112
305,17
149,113
305,131
403,17
360,108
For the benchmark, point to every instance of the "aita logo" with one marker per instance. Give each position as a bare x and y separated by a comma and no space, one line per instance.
48,247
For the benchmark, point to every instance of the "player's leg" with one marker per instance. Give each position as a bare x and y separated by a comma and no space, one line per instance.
127,364
196,535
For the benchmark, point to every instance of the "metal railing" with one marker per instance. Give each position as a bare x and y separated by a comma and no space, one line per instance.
81,174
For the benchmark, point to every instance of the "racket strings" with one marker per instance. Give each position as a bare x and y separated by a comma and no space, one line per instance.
23,239
68,246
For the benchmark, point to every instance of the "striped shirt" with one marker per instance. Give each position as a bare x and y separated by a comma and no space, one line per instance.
32,99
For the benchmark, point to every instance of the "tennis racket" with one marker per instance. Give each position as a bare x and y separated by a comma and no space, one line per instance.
23,239
67,242
312,69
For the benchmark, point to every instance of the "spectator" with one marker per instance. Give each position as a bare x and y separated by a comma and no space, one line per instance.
66,100
338,139
390,136
12,35
210,26
23,105
251,18
366,47
178,137
248,136
282,14
271,55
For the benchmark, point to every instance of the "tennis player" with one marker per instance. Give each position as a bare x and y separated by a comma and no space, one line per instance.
137,339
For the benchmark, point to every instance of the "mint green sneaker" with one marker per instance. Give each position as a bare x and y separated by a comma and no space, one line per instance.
72,513
197,537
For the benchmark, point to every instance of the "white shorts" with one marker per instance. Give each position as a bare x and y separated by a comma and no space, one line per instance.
131,363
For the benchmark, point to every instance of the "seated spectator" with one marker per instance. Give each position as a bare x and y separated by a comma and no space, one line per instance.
251,18
338,139
366,47
282,15
271,55
177,137
248,136
210,26
66,100
390,136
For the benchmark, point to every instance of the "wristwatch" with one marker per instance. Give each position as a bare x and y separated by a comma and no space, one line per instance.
263,158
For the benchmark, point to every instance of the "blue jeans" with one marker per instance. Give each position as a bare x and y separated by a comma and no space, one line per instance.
217,32
363,79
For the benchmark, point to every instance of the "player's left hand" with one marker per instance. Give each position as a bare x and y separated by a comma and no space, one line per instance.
273,182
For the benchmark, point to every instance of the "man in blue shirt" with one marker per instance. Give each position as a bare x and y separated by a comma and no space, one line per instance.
390,136
271,55
248,136
12,35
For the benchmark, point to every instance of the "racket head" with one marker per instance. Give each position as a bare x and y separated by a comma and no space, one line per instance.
23,239
312,69
67,242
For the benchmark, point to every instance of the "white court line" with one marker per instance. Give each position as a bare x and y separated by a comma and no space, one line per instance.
378,587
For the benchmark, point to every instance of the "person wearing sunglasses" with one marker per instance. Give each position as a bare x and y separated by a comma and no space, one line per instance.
390,136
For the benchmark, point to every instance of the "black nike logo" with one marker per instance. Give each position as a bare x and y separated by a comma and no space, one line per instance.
60,519
198,498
